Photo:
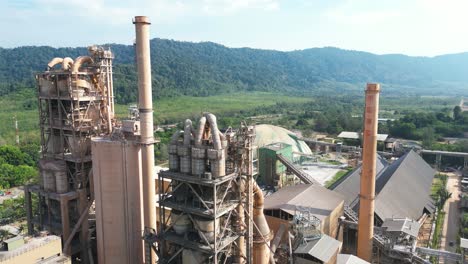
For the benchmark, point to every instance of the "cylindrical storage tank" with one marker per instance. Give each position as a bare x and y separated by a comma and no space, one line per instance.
61,181
217,162
206,228
62,86
53,145
185,159
78,147
198,167
46,87
174,164
198,161
118,194
181,222
49,180
193,257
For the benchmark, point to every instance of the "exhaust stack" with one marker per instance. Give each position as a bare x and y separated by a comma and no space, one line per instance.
369,155
145,100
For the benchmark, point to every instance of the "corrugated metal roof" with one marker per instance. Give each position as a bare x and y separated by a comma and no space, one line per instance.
407,191
349,259
323,249
355,135
316,199
464,243
402,188
402,225
349,186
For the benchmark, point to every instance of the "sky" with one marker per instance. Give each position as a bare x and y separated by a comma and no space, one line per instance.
411,27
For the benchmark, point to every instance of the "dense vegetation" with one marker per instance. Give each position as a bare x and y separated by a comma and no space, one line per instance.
202,69
17,165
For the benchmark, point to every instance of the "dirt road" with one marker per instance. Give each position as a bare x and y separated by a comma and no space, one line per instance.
452,216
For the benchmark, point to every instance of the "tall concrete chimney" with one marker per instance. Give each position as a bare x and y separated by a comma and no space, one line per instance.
369,155
142,24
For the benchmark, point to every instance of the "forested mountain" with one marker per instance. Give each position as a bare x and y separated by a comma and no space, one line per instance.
200,69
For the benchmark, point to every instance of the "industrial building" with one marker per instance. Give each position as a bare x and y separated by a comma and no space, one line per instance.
402,188
43,250
324,205
237,196
75,103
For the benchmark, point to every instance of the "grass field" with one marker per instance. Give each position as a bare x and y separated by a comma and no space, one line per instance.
179,108
23,105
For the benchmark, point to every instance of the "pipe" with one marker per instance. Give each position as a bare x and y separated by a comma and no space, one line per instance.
214,130
262,234
187,132
67,63
175,136
201,129
142,47
79,61
54,62
368,172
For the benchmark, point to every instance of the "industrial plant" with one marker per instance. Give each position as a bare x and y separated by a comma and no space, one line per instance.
248,194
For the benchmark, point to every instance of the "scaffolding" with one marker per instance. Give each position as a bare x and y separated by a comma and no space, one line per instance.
75,103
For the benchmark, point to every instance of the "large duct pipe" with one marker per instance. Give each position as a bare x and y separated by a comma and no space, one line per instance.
368,172
201,129
67,63
145,99
187,132
54,62
262,232
80,61
214,131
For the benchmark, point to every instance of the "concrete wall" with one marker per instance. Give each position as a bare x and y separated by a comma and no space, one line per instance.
269,166
333,225
117,188
30,253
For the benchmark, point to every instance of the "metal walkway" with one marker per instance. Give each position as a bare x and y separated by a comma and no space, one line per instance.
297,171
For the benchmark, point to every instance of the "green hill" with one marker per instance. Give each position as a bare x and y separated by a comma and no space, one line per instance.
201,69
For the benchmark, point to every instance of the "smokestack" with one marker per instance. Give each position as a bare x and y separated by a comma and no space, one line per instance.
145,100
369,155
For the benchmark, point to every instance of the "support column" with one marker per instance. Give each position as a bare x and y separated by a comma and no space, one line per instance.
65,216
28,204
369,157
438,161
82,205
465,165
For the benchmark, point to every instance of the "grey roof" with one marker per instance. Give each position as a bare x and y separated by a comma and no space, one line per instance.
323,249
356,135
402,188
314,198
463,243
402,225
349,259
407,190
349,186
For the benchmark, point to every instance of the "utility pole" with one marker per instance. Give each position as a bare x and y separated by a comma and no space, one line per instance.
16,131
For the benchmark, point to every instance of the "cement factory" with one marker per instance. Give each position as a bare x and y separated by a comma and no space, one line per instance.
229,195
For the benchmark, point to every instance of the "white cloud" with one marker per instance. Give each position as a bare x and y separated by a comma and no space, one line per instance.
361,12
222,7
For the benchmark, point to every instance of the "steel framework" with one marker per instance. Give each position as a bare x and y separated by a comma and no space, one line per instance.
75,103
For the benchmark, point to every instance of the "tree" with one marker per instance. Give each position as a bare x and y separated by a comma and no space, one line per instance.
14,156
457,112
428,137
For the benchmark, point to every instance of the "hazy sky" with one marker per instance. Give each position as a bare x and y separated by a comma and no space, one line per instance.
413,27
